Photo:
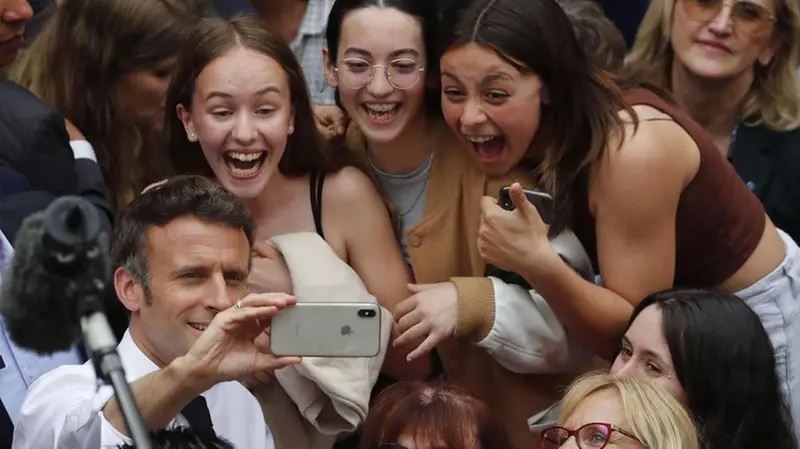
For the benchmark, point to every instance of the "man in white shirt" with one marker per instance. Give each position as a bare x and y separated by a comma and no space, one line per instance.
182,257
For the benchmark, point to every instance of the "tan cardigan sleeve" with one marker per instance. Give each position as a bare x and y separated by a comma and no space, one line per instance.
475,307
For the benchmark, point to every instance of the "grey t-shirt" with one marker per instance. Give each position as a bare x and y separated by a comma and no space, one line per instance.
407,192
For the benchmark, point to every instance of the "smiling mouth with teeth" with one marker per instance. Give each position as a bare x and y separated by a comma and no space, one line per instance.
481,139
381,112
244,164
487,147
199,327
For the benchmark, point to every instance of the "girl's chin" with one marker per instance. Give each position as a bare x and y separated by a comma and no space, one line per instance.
244,188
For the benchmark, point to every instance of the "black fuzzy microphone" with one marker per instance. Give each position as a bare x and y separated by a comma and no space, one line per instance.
58,274
53,294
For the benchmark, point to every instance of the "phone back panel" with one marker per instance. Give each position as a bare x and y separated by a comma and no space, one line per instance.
325,329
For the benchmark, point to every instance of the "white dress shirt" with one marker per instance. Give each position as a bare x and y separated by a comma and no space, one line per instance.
63,409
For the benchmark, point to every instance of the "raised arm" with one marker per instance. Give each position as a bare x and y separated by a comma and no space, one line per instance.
634,194
225,351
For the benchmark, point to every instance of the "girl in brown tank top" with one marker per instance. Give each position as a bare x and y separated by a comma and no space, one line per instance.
640,182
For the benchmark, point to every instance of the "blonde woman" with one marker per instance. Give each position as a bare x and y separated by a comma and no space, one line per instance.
621,413
733,66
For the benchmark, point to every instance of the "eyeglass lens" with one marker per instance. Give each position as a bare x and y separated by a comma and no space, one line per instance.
747,16
401,73
591,436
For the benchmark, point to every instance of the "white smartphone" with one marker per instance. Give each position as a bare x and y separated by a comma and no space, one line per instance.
327,329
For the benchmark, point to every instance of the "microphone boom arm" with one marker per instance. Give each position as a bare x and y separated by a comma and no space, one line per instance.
101,346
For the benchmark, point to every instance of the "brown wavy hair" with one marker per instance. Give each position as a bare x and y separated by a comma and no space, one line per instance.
78,57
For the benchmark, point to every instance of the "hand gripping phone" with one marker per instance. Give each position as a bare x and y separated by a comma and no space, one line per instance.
544,204
327,329
542,201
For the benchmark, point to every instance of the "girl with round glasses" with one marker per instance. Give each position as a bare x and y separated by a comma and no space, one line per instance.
495,338
732,64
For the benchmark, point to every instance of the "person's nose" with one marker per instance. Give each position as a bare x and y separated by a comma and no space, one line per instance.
627,368
472,114
244,129
17,12
571,443
379,85
218,295
722,25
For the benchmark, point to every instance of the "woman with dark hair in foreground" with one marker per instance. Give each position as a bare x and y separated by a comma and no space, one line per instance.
710,351
714,356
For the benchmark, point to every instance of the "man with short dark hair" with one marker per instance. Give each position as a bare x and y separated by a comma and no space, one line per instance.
182,252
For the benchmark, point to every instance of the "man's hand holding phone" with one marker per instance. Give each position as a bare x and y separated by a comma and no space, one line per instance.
228,350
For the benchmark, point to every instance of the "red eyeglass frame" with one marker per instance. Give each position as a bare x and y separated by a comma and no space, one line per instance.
576,433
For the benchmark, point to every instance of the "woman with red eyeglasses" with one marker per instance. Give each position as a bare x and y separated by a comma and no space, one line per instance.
603,412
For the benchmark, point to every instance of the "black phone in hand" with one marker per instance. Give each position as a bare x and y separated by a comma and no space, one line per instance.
544,204
542,201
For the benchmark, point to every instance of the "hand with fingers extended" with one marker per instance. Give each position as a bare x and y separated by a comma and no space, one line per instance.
230,349
429,315
269,272
512,240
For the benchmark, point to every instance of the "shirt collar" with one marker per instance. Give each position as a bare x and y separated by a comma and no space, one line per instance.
135,362
315,19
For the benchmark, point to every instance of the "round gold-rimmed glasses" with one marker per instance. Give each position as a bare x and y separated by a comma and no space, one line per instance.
355,73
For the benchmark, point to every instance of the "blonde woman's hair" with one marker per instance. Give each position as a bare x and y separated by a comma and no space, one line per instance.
654,416
78,57
774,97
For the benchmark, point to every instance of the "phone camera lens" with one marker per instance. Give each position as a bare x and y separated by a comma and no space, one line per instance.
366,313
